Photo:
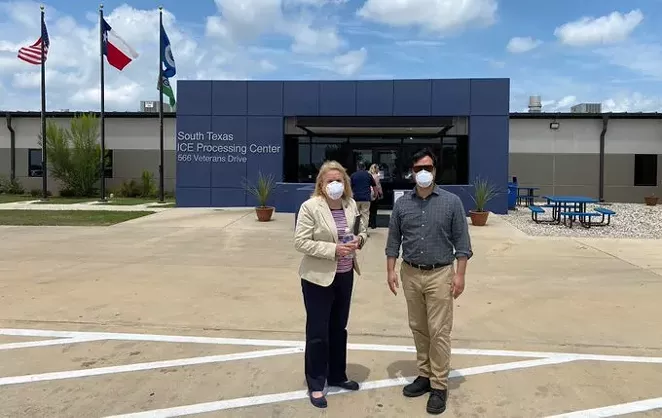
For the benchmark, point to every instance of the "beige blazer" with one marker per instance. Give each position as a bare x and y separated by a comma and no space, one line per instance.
316,237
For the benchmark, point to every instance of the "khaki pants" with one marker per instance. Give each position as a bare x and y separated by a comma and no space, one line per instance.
430,309
364,210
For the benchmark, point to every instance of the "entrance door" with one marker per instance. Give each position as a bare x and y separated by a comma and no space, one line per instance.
389,172
387,159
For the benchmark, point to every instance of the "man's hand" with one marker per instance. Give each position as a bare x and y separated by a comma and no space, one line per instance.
392,280
457,286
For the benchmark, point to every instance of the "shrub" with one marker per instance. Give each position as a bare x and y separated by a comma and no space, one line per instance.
74,154
11,186
148,185
129,189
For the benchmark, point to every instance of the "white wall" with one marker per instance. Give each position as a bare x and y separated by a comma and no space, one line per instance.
574,136
582,136
5,141
121,133
632,136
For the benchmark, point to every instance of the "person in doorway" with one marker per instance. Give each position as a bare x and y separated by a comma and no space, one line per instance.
431,226
376,195
362,184
327,277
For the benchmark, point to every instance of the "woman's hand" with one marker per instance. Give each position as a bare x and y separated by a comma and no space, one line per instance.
343,250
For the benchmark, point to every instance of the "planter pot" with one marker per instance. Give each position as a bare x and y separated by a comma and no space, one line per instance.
264,213
651,200
478,218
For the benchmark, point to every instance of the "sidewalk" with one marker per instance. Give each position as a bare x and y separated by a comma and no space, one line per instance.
36,205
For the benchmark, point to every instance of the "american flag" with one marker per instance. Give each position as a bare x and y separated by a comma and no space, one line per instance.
32,54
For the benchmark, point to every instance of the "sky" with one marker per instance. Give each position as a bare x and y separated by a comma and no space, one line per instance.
566,51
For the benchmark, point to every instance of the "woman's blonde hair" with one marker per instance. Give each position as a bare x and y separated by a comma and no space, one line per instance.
325,168
374,169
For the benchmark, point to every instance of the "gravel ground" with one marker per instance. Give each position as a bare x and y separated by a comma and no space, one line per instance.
632,220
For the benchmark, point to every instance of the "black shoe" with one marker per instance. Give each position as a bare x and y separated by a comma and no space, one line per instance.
348,385
318,402
418,387
437,401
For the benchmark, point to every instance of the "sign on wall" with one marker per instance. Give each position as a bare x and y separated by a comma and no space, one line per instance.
217,147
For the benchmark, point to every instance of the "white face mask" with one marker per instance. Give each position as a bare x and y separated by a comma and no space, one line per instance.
335,190
424,178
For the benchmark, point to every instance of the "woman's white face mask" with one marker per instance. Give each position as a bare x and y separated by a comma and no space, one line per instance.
335,190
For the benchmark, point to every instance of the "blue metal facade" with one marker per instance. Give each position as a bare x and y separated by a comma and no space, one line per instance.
247,122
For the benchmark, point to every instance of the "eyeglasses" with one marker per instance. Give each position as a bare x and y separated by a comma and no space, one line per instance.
418,168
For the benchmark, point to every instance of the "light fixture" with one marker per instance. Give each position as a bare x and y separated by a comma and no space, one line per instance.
554,125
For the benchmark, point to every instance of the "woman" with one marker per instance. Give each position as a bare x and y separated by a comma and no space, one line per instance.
377,194
327,277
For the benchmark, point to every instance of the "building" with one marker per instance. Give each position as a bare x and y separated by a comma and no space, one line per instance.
562,153
289,128
229,131
132,143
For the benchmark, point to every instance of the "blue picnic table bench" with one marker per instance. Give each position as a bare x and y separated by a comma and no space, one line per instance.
570,209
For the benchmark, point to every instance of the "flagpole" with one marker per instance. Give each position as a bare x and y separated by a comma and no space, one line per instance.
44,154
102,114
161,58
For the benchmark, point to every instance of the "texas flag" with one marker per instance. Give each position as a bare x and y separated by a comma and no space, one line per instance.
118,53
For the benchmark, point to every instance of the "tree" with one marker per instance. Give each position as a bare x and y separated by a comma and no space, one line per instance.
74,154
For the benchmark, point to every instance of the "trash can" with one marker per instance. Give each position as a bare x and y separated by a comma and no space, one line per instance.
512,195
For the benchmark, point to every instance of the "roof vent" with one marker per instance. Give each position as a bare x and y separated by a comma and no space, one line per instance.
535,104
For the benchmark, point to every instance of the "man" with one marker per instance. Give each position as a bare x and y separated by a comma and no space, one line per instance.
431,225
362,184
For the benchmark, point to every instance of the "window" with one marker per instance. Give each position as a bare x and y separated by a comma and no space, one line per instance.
34,163
108,166
645,170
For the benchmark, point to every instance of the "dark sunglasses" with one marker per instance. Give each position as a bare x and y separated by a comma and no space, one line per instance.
418,168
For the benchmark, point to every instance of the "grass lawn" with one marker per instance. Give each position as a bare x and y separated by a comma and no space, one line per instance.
128,201
67,217
9,198
56,200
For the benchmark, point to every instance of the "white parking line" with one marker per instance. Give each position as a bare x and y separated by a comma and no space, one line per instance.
70,374
615,410
46,343
302,394
301,344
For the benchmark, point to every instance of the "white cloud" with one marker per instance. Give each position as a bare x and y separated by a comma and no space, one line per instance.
351,62
645,59
72,69
433,15
243,20
518,45
633,102
346,65
560,105
613,28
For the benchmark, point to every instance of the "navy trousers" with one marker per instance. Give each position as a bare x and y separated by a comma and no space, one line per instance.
327,313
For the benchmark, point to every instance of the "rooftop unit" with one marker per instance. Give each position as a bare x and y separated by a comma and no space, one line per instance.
153,106
587,108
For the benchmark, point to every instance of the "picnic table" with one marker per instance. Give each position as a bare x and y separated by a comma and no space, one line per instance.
570,209
526,197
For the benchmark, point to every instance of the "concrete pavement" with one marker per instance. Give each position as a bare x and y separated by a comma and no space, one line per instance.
219,273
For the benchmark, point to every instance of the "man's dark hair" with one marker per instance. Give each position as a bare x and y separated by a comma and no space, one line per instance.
426,152
360,165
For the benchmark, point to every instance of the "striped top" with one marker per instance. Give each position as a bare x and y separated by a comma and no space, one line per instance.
345,264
